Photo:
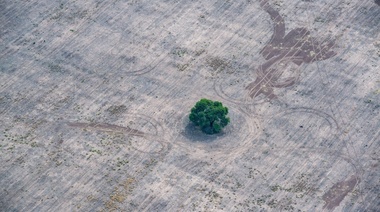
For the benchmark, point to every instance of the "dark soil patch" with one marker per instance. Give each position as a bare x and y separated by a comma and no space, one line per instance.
337,193
297,46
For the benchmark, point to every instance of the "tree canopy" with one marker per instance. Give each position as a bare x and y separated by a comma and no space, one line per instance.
210,116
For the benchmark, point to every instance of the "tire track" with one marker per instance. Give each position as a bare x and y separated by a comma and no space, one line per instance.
144,140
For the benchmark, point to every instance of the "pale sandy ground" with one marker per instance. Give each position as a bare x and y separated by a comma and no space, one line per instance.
77,77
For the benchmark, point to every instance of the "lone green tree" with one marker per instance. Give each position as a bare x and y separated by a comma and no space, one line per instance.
210,116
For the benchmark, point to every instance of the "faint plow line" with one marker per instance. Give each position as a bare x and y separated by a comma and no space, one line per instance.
72,39
138,72
146,69
357,167
175,87
332,122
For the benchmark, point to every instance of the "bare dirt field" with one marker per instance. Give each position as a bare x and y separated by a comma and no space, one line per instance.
95,97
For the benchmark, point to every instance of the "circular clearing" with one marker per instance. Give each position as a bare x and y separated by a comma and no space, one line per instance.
302,128
236,137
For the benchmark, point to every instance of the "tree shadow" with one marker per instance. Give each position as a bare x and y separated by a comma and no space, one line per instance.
194,134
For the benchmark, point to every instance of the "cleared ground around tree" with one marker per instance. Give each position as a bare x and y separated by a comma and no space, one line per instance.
95,97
